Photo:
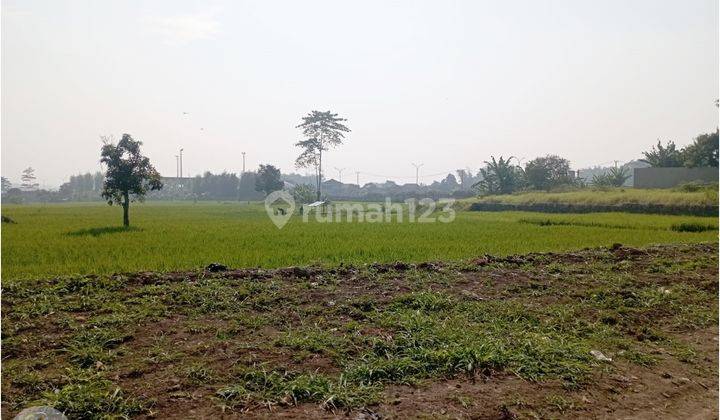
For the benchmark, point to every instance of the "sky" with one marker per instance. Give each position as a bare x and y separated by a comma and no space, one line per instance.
443,83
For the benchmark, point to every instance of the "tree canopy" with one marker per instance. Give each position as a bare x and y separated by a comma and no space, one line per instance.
129,174
322,130
500,176
544,173
28,180
663,156
268,179
702,152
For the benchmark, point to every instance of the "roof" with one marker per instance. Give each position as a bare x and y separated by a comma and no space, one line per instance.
317,204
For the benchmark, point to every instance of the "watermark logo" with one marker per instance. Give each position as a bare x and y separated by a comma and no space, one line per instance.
280,206
40,413
279,214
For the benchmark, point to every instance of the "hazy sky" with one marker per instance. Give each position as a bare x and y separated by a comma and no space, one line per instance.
439,82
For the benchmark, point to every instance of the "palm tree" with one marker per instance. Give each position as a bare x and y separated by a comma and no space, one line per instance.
499,176
663,157
615,177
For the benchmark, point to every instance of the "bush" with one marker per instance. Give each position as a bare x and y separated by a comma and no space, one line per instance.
695,186
692,227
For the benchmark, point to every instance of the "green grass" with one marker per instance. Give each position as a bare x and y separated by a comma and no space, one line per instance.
613,196
106,346
69,239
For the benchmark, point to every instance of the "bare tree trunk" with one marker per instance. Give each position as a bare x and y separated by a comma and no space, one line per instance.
319,187
126,210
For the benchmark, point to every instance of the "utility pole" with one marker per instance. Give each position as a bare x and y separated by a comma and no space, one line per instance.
417,173
357,178
181,171
243,153
339,173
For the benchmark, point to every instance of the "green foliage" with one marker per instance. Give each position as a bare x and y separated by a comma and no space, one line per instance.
222,186
5,185
545,173
322,131
268,179
707,195
693,227
500,177
663,156
702,152
129,174
303,193
615,177
275,387
28,179
91,397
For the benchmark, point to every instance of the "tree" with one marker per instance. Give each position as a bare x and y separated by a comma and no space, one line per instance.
544,173
500,176
615,177
303,193
268,179
6,185
663,157
702,152
246,187
129,174
322,130
28,180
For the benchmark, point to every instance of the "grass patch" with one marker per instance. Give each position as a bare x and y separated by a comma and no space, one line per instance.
103,231
704,196
693,227
258,386
92,397
186,236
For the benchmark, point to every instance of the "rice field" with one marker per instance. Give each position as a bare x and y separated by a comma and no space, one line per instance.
70,239
700,196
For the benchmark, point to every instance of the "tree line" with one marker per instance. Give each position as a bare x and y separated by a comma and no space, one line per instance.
131,177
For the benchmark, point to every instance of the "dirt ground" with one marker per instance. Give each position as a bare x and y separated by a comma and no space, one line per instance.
172,343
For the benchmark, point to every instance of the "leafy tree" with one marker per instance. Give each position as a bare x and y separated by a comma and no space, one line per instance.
663,157
303,193
268,179
449,183
544,173
615,177
6,185
246,188
702,152
28,180
500,177
222,186
129,174
322,130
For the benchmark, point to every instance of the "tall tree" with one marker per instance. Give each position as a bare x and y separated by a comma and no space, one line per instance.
500,176
702,152
544,173
6,185
28,180
663,157
129,174
268,179
322,130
